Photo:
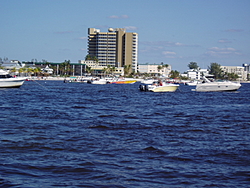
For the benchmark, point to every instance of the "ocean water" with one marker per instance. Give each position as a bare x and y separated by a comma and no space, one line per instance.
81,135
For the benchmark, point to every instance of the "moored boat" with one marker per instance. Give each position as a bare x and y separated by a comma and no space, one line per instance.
148,81
122,81
193,83
217,86
7,81
160,87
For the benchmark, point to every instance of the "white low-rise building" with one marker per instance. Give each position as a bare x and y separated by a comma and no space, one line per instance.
8,65
240,71
193,74
154,69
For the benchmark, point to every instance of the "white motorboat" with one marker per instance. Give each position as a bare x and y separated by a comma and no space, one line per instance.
217,86
161,87
7,81
148,81
193,83
99,81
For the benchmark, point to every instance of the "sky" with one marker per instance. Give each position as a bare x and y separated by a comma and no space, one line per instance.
174,32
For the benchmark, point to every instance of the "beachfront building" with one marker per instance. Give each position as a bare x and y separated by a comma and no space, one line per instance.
116,47
194,74
247,69
155,69
240,71
12,64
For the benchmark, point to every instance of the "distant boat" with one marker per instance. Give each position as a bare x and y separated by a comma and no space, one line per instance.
122,81
7,81
193,83
148,81
99,81
160,87
217,86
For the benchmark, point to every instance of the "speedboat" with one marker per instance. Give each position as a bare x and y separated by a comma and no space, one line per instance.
217,86
99,81
7,81
122,81
193,83
148,81
162,87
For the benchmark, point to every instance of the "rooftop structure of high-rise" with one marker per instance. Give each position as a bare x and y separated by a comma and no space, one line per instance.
116,47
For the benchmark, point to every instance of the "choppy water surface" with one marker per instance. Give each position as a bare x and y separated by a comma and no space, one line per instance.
81,135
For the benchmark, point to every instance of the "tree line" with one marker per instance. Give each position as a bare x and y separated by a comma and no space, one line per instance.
65,69
216,70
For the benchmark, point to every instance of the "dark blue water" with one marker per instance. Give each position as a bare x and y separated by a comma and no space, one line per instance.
81,135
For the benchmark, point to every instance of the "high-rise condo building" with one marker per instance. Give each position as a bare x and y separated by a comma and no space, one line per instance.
115,48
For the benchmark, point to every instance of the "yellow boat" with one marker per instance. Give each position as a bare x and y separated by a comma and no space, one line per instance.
122,81
166,87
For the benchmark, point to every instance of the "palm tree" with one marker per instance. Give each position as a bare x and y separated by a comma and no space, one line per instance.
216,70
89,70
90,57
65,68
174,74
127,69
166,65
159,68
13,70
22,70
37,71
112,69
29,71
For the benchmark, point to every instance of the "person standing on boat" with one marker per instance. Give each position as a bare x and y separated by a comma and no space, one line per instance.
160,83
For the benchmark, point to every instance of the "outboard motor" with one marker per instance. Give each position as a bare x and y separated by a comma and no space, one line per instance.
141,87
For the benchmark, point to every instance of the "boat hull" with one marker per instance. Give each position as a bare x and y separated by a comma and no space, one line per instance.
124,82
99,82
220,86
164,88
11,82
171,88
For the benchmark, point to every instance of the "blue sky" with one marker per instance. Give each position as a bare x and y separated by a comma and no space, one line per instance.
174,32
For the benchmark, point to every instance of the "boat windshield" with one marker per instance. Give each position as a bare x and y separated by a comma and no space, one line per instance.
5,76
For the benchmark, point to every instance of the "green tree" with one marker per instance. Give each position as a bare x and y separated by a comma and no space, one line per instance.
231,76
215,70
174,74
165,65
91,57
127,69
13,70
37,71
29,71
89,70
159,68
22,70
65,68
193,65
112,69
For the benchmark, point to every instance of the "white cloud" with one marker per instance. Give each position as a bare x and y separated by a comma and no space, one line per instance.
83,38
166,44
130,27
63,32
124,16
224,41
114,17
216,51
234,30
168,53
119,17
